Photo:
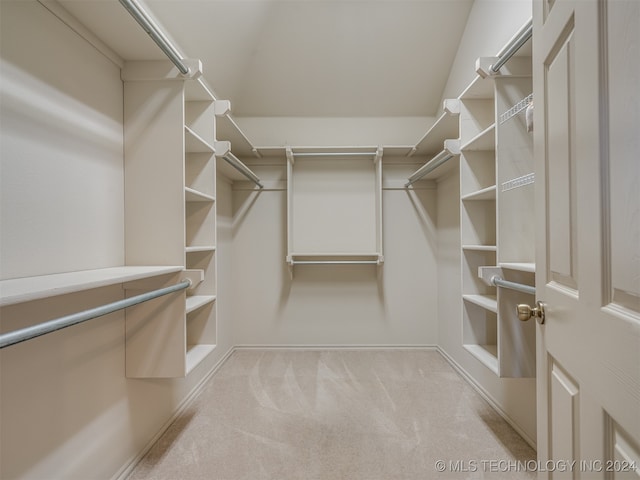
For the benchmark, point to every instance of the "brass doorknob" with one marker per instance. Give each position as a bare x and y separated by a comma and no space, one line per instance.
525,312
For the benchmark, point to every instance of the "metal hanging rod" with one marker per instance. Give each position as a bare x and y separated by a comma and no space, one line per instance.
499,282
513,48
17,336
156,35
232,160
429,167
334,154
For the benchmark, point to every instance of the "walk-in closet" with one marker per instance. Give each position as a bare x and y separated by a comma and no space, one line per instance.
364,240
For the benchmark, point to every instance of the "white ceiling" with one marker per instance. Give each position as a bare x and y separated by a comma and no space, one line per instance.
308,58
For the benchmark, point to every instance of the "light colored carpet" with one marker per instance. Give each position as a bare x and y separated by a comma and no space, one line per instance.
336,414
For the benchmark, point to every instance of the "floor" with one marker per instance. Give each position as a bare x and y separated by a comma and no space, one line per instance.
337,414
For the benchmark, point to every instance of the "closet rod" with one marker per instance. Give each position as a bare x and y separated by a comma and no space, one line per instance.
23,334
499,282
513,48
156,35
231,159
334,154
429,167
334,262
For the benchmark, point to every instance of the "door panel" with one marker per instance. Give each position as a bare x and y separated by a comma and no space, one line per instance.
623,75
624,455
559,121
564,410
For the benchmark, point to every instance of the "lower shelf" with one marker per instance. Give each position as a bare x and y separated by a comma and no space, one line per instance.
335,259
196,354
488,302
486,354
196,301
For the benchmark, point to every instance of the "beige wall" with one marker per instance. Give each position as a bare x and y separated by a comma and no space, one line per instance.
338,304
62,178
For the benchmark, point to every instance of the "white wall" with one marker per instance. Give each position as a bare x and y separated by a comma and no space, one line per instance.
334,305
491,24
66,408
61,140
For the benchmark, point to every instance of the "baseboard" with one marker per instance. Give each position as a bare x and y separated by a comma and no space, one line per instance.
126,469
484,394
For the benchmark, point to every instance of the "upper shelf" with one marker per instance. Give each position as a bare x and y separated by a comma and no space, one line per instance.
445,127
438,165
483,141
197,90
19,290
488,193
227,129
194,143
479,88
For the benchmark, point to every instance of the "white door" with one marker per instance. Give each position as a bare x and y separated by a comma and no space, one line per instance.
587,150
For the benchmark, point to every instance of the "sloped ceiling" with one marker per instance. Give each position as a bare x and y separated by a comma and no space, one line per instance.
306,58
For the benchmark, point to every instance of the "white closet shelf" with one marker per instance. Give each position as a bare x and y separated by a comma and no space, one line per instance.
479,88
200,248
195,302
438,165
228,129
196,354
194,143
26,289
334,258
488,193
488,302
486,354
319,151
480,248
191,195
446,126
483,141
197,90
389,150
519,266
398,150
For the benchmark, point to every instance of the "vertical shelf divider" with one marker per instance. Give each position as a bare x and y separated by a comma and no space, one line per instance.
170,215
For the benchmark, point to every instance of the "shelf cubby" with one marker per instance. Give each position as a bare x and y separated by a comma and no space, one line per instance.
487,193
483,141
480,334
195,302
488,302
